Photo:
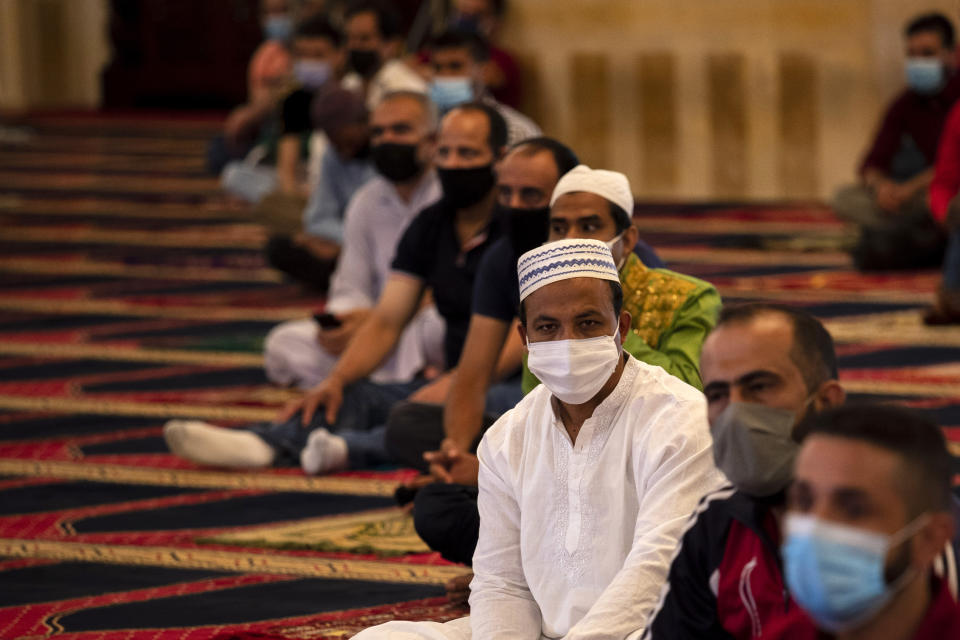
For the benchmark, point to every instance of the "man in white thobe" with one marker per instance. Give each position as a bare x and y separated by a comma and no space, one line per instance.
586,485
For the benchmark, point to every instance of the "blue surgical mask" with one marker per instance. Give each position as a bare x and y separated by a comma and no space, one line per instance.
447,93
836,572
312,74
278,27
925,75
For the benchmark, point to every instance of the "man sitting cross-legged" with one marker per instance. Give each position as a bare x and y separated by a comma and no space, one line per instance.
339,423
765,368
300,353
586,483
671,313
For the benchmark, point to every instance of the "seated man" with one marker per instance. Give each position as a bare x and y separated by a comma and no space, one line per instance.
457,59
868,514
584,485
316,61
501,73
890,203
267,75
299,352
671,312
440,250
310,254
945,206
373,41
764,368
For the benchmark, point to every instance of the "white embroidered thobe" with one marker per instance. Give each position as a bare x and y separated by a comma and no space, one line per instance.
576,540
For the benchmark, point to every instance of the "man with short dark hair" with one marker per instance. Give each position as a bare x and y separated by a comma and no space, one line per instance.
890,202
457,60
584,485
868,515
765,368
300,353
373,43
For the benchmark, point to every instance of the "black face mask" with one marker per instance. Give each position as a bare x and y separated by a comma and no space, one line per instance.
526,228
465,187
364,61
396,162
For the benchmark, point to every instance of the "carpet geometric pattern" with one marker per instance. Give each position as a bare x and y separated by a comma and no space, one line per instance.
133,293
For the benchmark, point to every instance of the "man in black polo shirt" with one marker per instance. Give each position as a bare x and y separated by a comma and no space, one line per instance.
337,424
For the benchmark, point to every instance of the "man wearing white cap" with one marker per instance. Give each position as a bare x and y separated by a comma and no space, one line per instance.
586,484
672,312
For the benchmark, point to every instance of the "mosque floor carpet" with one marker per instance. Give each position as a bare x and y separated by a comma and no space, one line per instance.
132,293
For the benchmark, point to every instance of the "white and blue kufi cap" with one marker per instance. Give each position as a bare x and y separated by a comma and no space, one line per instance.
611,185
562,260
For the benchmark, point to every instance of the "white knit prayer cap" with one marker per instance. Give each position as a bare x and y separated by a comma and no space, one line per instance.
611,185
562,260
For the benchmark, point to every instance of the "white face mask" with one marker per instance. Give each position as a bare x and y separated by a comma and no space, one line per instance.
574,370
611,244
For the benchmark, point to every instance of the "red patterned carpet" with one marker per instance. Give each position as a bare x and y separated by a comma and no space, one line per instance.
132,294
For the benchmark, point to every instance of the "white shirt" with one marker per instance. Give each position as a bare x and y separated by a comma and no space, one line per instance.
576,540
374,221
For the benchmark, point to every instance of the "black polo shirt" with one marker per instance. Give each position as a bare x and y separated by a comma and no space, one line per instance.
429,250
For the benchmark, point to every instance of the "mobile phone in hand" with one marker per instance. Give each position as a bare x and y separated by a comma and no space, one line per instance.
327,320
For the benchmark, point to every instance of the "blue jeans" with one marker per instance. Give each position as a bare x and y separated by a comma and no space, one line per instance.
360,422
951,262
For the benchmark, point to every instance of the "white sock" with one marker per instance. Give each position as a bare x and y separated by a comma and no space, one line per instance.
324,452
217,446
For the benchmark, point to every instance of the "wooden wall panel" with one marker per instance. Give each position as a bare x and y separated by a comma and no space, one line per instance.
799,115
726,81
657,133
589,98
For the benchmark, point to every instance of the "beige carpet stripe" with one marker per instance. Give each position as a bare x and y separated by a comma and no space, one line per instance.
892,328
151,311
229,480
242,236
132,354
745,290
148,409
118,269
747,257
230,561
886,387
682,224
11,203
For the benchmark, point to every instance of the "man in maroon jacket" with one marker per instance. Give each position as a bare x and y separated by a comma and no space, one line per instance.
890,201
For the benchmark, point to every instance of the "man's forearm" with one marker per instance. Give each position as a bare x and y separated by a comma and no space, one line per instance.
463,412
369,346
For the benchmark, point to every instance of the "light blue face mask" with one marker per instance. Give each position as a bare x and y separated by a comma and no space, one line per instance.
447,93
925,75
835,572
312,74
278,27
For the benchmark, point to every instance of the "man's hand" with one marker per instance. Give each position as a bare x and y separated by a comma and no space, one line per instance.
453,465
335,341
327,394
433,393
890,195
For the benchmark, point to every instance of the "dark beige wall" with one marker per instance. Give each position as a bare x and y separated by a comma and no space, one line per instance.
691,98
715,98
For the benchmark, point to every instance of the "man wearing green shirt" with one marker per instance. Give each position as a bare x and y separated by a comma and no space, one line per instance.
671,315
